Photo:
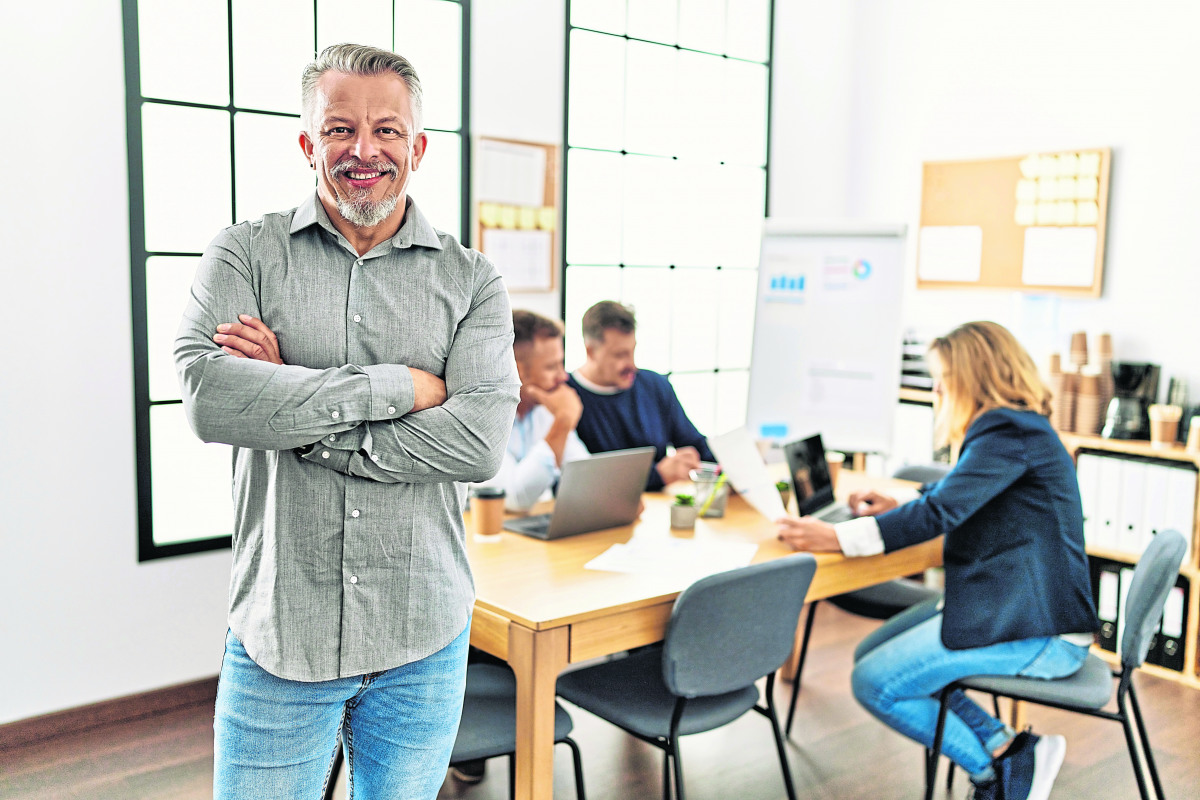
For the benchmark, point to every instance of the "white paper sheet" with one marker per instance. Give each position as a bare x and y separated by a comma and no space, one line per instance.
688,559
510,173
950,253
741,460
1059,256
523,257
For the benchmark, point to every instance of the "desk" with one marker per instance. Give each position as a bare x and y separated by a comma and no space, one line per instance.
538,609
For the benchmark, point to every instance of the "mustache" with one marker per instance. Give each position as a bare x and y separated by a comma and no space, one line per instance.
354,165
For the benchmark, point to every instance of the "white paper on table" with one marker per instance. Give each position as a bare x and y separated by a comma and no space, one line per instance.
741,461
688,559
950,253
1059,256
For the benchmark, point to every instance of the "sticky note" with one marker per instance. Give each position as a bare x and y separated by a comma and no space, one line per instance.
1066,212
1089,165
1031,167
508,217
547,219
489,215
1068,164
1047,188
1087,189
526,218
1047,213
1026,214
1027,191
1087,213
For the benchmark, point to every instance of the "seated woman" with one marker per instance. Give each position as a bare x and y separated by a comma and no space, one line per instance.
1018,599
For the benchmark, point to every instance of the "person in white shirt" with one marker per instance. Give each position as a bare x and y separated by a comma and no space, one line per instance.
543,436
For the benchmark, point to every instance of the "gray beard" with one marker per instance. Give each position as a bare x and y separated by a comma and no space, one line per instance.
364,213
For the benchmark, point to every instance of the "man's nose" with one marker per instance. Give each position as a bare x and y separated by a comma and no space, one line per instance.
365,148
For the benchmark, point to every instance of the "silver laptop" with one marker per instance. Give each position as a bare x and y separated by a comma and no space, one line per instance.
809,473
593,493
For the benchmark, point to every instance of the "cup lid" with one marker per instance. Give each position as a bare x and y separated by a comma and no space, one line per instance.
487,491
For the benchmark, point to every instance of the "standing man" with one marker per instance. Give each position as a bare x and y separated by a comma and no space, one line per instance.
626,407
362,369
543,436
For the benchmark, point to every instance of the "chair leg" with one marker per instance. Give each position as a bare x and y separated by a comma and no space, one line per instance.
779,746
576,757
1146,749
808,625
666,775
1127,726
935,752
678,768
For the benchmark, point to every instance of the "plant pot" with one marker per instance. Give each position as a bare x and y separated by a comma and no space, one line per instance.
683,516
786,496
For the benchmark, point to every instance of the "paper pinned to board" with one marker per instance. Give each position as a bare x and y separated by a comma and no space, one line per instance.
740,459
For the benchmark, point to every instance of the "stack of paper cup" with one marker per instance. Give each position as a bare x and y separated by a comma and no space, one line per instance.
1079,350
1070,397
1104,356
1087,403
1164,424
1056,385
1193,438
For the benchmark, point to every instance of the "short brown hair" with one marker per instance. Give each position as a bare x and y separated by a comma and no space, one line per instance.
528,326
984,367
607,315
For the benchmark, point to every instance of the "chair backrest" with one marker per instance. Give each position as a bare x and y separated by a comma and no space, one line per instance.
922,473
730,629
1153,577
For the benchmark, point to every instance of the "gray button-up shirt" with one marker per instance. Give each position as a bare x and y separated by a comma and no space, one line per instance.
351,558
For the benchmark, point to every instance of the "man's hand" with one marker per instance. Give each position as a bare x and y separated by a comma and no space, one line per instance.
870,504
250,338
677,467
562,401
428,390
808,534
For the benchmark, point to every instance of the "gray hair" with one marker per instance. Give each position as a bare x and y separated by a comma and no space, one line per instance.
357,59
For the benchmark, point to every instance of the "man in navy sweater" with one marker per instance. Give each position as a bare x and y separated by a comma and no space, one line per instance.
626,407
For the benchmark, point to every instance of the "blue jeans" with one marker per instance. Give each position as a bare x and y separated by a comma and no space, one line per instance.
276,738
899,679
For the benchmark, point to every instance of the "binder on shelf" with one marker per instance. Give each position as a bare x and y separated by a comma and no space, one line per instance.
1171,637
1107,592
1155,505
1087,470
1132,506
1108,507
1181,502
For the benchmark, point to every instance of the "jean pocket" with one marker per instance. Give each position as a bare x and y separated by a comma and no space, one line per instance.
1057,659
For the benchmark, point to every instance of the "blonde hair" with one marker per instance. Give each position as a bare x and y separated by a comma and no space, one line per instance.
983,367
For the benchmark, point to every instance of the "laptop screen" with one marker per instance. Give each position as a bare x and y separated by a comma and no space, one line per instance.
809,474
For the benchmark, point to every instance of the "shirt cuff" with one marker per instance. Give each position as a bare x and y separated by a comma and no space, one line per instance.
336,460
859,537
904,495
392,391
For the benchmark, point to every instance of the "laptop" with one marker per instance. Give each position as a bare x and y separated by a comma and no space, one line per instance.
593,494
809,472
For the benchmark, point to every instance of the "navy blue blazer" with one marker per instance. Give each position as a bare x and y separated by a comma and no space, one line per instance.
1015,562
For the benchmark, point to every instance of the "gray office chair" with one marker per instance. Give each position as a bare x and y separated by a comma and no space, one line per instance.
489,725
726,631
883,601
1091,688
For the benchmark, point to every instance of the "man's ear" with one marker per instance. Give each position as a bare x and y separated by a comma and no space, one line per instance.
419,145
306,144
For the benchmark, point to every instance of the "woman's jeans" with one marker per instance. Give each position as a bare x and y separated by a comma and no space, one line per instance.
276,738
898,681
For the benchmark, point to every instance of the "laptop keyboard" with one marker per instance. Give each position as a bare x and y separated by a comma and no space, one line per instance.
836,515
534,525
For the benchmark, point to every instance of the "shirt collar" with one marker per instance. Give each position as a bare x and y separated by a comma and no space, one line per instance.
416,230
595,388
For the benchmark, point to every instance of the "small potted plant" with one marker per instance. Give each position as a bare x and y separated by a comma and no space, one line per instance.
683,512
785,492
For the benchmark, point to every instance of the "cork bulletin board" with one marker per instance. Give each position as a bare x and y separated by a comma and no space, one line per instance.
1033,223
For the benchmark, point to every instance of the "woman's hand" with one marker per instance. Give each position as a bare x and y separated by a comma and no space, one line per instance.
808,534
870,503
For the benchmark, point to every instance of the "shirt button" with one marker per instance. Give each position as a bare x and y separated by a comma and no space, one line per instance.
359,262
374,456
332,436
354,579
358,318
336,414
324,454
354,513
391,409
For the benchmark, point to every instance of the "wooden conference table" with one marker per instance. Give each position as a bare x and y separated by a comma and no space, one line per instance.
539,609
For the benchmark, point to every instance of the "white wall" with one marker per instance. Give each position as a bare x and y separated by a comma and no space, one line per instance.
80,619
867,91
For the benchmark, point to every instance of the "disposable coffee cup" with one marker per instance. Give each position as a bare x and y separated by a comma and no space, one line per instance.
1164,425
835,461
1193,438
487,512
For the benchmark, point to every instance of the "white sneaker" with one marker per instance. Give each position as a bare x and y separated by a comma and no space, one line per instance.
1048,755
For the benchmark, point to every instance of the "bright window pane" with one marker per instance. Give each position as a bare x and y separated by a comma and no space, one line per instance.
743,190
732,391
697,221
702,24
597,91
697,394
744,117
693,325
341,21
651,121
651,211
272,42
184,50
594,207
737,291
168,287
599,15
192,491
648,290
429,34
655,20
271,171
586,286
702,123
437,185
185,154
748,29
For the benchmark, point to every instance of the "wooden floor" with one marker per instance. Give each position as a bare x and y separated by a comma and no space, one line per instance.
837,751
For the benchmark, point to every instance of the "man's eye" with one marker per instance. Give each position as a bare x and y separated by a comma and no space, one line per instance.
390,133
339,130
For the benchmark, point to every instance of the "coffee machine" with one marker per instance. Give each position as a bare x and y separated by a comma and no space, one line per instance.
1135,387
